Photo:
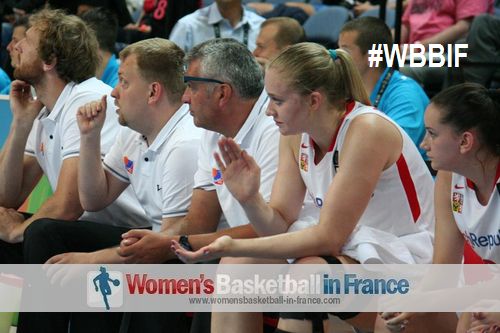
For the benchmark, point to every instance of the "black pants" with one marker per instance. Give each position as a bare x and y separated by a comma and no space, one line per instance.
45,238
12,253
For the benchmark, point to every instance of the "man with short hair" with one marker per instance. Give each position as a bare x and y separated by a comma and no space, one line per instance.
223,18
226,96
398,96
18,32
275,35
58,58
225,92
155,154
105,25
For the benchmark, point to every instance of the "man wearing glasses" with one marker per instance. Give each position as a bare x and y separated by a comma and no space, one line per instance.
226,97
225,93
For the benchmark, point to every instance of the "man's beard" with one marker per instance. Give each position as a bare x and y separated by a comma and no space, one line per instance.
29,73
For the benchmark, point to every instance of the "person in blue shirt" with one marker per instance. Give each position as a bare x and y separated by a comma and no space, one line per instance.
18,32
398,96
105,25
4,82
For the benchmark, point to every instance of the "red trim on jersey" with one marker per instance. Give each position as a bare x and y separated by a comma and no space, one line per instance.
409,187
472,186
497,176
470,256
348,108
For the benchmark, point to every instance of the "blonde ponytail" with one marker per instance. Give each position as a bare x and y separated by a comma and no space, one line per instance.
310,67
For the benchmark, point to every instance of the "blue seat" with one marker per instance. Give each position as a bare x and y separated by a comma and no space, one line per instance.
274,2
324,26
5,118
390,16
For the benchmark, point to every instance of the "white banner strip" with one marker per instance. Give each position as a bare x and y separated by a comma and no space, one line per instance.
249,288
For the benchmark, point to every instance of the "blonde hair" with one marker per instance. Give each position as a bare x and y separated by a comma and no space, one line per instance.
69,41
310,67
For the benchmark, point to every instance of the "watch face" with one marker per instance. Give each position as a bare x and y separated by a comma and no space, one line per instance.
183,240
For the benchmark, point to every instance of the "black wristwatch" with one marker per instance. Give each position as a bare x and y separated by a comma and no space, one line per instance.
183,240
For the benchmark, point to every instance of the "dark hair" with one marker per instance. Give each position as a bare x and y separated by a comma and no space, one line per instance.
371,30
67,40
22,21
470,105
105,25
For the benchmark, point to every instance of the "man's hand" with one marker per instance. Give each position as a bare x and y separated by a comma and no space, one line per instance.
91,116
71,258
11,228
141,246
397,321
24,107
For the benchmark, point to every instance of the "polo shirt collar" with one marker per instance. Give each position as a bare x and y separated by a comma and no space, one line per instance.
258,109
166,131
60,103
214,16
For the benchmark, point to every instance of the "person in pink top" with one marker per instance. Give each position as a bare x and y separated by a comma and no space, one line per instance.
437,22
440,22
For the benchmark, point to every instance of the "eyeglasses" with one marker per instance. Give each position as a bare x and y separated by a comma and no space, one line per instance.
201,79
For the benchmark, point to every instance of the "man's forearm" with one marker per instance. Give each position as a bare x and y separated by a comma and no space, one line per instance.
449,35
92,183
11,166
53,209
106,256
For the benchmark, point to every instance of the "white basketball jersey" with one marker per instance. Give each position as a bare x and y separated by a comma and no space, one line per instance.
401,205
479,224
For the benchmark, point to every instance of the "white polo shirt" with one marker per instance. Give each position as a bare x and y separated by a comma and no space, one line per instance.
259,136
162,174
55,137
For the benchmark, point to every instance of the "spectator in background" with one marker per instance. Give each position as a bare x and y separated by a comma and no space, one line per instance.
127,29
484,46
275,35
18,32
117,7
437,22
4,82
159,17
398,96
309,9
223,18
105,25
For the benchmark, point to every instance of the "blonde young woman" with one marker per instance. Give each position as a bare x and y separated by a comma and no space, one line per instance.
371,189
463,143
